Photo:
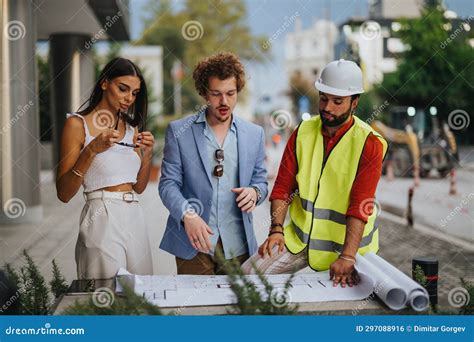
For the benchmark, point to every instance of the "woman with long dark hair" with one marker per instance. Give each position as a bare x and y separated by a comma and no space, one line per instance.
105,149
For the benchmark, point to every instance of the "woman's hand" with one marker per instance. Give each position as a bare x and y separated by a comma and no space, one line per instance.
104,141
145,141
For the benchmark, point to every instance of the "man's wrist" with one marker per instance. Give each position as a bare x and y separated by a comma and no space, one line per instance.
347,257
348,254
274,227
257,191
188,214
276,232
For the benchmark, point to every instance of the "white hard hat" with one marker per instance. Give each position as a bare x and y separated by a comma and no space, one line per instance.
341,78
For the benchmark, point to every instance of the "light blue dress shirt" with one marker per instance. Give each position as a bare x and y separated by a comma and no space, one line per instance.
226,217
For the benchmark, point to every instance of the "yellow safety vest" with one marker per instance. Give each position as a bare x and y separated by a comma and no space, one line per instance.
318,209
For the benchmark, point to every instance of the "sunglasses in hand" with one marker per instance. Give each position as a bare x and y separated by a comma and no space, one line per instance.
119,114
127,145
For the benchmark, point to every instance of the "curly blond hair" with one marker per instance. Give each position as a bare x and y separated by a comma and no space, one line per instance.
222,65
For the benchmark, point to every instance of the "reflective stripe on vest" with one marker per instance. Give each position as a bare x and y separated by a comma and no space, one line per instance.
323,214
318,210
331,246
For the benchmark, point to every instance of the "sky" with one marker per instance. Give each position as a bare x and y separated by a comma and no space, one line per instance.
265,17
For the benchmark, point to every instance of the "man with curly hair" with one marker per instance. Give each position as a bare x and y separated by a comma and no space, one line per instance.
213,174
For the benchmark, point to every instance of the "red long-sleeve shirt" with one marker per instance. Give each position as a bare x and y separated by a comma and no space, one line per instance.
365,182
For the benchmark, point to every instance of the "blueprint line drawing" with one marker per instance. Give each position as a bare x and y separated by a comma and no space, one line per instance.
392,286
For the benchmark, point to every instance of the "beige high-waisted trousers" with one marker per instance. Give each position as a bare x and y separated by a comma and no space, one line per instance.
112,234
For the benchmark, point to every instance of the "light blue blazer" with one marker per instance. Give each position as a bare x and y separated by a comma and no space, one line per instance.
186,178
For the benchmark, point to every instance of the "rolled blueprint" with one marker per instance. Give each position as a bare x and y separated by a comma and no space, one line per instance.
385,287
416,296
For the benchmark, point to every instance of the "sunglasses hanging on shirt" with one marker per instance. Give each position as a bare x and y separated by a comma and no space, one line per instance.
119,114
219,168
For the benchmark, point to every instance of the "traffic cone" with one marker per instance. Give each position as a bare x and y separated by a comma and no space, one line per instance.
390,174
411,190
452,182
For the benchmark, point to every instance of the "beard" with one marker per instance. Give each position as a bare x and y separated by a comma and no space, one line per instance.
336,120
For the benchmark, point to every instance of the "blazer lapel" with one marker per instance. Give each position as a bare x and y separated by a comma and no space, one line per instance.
242,149
200,139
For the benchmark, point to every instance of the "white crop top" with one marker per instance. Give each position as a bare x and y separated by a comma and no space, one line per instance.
117,165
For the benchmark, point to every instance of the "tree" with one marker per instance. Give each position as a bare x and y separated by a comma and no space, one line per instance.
437,67
58,283
299,87
194,32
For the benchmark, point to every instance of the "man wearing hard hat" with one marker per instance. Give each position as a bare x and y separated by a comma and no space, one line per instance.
327,178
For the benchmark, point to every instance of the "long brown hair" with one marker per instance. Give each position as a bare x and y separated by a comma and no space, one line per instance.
117,67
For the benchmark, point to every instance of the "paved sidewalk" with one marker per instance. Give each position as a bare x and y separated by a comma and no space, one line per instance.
432,205
399,244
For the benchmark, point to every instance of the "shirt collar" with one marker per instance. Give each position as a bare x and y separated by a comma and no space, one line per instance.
202,118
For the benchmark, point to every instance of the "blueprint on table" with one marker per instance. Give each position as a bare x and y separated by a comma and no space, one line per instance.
392,286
